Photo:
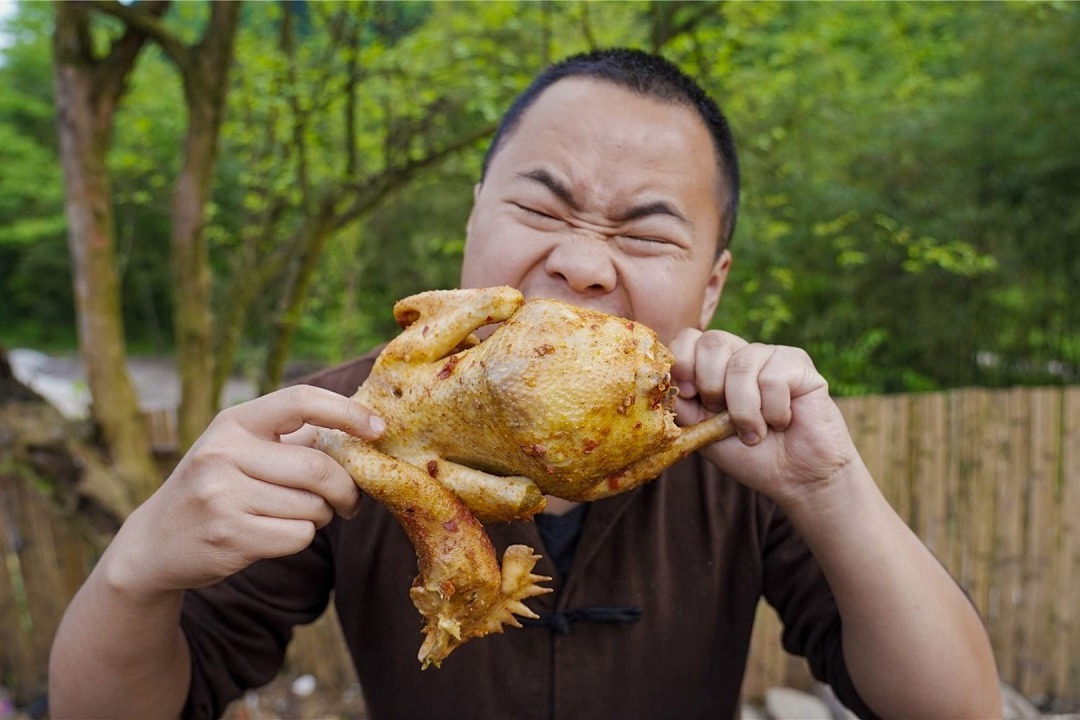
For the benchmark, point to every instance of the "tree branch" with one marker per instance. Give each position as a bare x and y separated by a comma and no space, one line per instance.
366,195
673,19
147,22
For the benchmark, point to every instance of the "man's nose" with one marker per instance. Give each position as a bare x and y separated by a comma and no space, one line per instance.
584,262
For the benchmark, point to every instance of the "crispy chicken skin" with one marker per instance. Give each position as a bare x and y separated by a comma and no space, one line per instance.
558,400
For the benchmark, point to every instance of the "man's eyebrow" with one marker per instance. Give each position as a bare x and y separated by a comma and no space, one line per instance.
549,181
658,207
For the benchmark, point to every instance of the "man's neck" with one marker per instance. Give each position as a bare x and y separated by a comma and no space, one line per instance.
558,506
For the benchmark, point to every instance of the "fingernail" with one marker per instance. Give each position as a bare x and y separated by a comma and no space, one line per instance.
750,438
376,424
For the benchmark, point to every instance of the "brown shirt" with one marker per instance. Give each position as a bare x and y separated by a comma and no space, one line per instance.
692,551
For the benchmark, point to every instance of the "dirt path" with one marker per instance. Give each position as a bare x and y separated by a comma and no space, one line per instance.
62,381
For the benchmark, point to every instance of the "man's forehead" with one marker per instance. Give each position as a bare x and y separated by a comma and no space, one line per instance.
580,108
565,107
578,88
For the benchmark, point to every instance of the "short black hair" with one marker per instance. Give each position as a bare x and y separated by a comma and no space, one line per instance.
652,76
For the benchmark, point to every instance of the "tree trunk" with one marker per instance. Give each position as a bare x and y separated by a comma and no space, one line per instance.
316,231
57,513
87,94
205,72
249,275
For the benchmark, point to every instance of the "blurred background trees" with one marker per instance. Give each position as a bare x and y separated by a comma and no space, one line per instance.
911,175
910,215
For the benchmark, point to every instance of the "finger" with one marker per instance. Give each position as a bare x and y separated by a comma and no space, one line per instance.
286,503
287,410
775,399
305,436
269,537
743,391
713,354
682,369
774,384
788,374
303,468
700,358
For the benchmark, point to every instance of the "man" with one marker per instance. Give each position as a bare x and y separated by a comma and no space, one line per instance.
612,184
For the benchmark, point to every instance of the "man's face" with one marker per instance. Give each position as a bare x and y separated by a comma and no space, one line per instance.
605,199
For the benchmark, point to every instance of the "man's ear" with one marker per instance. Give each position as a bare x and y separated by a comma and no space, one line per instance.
714,288
475,198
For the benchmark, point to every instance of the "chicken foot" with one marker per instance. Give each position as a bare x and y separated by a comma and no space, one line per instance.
460,589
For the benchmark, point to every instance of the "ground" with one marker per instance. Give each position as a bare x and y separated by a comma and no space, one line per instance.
62,381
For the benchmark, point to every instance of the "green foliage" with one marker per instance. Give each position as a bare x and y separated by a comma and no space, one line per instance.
35,285
910,173
877,230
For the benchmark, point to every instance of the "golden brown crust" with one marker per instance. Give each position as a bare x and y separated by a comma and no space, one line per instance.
558,400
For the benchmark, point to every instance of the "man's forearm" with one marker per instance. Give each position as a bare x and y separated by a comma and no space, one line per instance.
119,656
913,643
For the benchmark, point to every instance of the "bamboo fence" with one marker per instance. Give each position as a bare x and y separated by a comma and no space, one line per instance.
989,479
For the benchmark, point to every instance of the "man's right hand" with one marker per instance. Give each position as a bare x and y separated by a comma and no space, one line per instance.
251,487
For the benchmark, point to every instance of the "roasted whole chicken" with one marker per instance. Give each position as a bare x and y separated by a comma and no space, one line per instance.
557,400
